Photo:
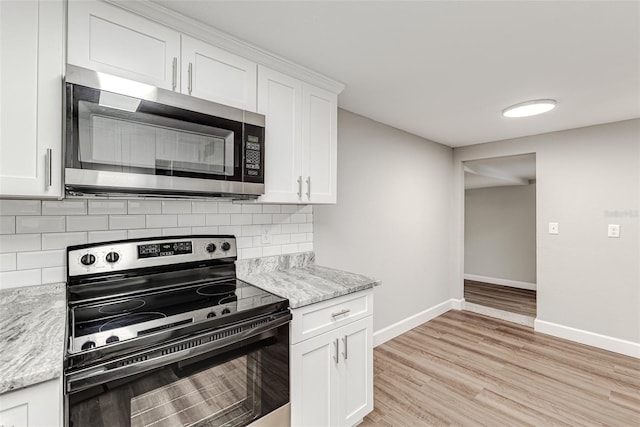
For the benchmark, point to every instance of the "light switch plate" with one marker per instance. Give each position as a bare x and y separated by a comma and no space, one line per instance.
613,230
553,228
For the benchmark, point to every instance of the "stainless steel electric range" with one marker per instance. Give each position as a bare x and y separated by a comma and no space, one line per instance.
162,333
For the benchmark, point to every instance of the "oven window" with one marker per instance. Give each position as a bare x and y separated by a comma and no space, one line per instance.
233,387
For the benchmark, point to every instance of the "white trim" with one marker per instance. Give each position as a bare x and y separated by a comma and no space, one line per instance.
520,319
501,282
399,328
208,34
628,348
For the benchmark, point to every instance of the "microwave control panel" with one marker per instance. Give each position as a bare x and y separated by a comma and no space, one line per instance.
253,153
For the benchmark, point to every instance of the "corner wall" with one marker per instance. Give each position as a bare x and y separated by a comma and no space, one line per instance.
392,220
588,284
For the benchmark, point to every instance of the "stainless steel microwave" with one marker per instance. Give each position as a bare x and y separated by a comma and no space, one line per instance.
125,137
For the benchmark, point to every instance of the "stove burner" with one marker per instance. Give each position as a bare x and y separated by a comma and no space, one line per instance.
122,307
228,298
130,319
216,289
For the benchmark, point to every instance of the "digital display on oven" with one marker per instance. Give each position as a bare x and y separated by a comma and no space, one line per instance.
164,249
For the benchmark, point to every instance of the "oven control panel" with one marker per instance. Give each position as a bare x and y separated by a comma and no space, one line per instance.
130,254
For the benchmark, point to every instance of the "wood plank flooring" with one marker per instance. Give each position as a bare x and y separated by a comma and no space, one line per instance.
466,369
521,301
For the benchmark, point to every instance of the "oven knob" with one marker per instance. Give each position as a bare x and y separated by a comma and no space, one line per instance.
88,345
87,259
226,246
112,257
112,338
210,315
211,248
226,311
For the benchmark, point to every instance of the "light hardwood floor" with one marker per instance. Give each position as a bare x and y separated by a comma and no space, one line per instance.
466,369
520,301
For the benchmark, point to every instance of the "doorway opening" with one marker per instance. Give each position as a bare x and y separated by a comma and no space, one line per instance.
500,237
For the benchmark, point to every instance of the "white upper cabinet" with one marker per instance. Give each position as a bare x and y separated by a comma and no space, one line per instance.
106,38
217,75
280,100
301,139
31,62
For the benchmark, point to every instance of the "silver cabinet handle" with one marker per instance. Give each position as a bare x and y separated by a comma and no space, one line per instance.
300,187
48,165
341,312
174,74
336,357
309,187
190,72
344,353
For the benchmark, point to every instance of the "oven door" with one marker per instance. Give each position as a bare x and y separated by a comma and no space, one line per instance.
228,377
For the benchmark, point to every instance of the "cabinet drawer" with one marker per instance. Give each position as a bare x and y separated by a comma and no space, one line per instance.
316,319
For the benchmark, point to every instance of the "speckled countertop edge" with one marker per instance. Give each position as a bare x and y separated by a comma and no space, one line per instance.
32,328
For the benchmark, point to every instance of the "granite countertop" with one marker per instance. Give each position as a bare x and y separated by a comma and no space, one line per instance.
301,281
32,324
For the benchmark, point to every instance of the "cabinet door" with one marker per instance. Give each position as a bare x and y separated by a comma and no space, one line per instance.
212,73
34,406
105,38
356,371
280,100
31,61
320,136
314,382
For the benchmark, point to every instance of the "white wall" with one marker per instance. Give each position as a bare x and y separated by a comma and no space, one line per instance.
34,234
588,284
392,219
500,233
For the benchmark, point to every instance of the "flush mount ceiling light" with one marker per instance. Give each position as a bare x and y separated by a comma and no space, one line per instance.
529,108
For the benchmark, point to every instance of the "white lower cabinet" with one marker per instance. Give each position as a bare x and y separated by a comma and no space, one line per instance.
332,376
34,406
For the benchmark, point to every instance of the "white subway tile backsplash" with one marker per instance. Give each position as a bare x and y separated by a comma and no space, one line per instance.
244,242
218,219
310,237
20,207
176,207
250,253
271,209
241,219
251,208
298,218
289,228
64,207
126,222
305,247
177,231
281,218
144,233
310,218
41,259
7,224
7,262
144,207
87,222
19,278
204,207
307,209
235,230
251,230
54,275
281,239
62,240
229,207
162,221
289,209
39,224
206,230
20,243
106,236
290,249
305,228
262,218
191,220
298,237
271,250
107,207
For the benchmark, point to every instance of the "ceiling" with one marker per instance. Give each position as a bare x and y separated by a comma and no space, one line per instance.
445,70
500,171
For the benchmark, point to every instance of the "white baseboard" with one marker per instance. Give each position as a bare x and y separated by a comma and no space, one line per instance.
501,282
628,348
399,328
520,319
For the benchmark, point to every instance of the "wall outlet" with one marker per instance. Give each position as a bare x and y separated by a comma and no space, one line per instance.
613,230
267,235
553,228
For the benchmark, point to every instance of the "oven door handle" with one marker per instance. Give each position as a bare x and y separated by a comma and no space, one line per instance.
100,374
